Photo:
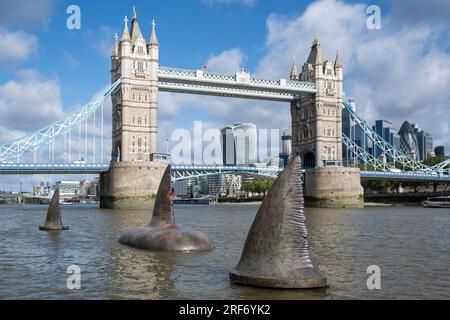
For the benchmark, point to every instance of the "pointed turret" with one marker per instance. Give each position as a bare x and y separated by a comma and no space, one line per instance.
294,72
115,51
315,56
153,41
337,61
126,34
135,30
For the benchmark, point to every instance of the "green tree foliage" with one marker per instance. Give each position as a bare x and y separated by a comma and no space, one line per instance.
431,161
260,186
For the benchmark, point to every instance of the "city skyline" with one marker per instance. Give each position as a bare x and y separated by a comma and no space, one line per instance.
41,55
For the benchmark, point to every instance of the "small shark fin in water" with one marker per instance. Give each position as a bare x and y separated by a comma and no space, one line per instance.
54,221
163,208
163,234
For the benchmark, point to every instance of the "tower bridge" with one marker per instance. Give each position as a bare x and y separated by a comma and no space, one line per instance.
130,178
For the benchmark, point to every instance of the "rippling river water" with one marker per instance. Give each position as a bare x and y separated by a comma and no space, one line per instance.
411,246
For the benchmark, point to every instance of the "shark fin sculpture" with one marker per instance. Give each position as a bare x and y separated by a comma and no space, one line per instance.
276,253
54,221
163,234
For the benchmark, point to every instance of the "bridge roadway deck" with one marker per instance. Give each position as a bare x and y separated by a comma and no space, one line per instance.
184,171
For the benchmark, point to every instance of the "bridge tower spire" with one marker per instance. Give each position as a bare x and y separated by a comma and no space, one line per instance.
126,33
317,131
132,173
294,72
135,107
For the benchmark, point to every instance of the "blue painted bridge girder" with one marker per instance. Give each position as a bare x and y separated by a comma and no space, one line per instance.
180,172
404,176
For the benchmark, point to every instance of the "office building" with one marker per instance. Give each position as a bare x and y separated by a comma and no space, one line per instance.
356,134
286,151
425,142
439,151
239,144
408,140
385,130
68,189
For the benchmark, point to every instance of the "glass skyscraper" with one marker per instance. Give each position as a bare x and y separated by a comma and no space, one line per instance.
239,144
408,140
355,133
425,142
385,129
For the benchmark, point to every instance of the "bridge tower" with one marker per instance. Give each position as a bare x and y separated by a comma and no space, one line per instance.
133,178
317,134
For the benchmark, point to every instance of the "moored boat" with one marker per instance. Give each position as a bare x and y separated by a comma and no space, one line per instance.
437,202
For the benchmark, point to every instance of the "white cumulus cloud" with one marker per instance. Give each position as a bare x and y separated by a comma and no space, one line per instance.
229,61
397,73
29,102
16,47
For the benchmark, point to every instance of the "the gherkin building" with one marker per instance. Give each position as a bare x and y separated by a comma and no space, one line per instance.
408,139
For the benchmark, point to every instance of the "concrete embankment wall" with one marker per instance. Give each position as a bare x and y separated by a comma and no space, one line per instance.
403,198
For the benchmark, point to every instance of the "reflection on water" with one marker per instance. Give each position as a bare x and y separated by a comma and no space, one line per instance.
410,245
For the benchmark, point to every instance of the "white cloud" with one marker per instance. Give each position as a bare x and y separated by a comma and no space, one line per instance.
333,22
248,3
30,102
229,61
397,73
16,47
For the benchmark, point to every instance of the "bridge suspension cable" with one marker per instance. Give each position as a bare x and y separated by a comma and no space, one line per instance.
364,156
397,156
14,149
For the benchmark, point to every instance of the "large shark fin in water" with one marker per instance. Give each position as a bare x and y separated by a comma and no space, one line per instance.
163,234
54,221
276,252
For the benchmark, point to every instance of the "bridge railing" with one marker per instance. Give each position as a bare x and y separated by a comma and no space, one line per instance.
252,83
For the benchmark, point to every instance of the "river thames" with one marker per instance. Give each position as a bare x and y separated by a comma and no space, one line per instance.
411,246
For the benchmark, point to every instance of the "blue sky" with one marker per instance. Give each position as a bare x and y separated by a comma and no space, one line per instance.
189,32
401,72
